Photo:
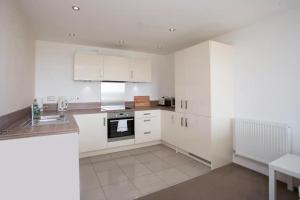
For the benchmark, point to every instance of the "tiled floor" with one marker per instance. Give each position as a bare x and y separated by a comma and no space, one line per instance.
130,174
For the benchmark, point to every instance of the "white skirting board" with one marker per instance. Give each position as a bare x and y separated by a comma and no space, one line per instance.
261,168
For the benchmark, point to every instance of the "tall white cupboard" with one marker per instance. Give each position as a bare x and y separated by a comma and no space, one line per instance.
204,102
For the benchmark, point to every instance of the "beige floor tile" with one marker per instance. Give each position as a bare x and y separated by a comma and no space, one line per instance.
155,147
146,157
138,151
148,184
157,165
149,168
135,170
111,177
88,178
172,176
164,153
95,194
84,161
176,160
86,170
153,188
101,158
121,191
129,160
193,170
106,165
120,154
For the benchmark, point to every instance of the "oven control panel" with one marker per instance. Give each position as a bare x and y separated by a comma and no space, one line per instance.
112,115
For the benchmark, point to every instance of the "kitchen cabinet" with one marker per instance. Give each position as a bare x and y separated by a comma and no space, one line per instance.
115,68
88,66
93,131
192,80
147,126
204,101
41,167
167,121
170,128
181,81
91,66
146,113
197,85
140,70
197,135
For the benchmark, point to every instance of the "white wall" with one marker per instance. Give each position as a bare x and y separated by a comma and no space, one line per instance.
267,71
16,58
54,73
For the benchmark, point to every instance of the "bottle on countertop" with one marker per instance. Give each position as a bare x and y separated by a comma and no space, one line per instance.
36,111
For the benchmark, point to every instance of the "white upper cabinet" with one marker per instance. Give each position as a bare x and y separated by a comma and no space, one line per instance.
91,66
203,78
197,99
180,80
140,70
115,68
88,66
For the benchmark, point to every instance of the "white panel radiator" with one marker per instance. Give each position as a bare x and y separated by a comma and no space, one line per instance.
261,141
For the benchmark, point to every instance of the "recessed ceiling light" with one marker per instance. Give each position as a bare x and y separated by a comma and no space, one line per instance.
121,42
172,29
75,8
159,46
71,34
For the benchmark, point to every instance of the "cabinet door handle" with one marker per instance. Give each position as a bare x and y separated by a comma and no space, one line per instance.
147,120
181,104
181,121
186,122
186,104
148,132
104,121
147,113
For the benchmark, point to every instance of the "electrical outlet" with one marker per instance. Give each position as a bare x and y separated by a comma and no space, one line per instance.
51,99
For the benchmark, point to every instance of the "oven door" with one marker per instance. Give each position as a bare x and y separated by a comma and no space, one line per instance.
112,128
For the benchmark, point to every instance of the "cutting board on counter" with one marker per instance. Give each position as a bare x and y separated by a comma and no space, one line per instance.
142,101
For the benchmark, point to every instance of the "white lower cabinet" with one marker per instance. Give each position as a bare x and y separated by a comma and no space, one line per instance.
147,126
197,135
208,139
92,131
167,126
172,132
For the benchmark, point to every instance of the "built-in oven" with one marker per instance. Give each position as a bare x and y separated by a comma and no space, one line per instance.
120,125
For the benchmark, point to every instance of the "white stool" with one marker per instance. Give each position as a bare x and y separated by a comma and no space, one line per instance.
288,164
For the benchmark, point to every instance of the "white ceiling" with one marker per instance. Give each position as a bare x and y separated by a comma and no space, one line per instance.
144,24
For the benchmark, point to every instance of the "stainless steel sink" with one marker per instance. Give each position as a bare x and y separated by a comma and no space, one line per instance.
51,118
48,119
